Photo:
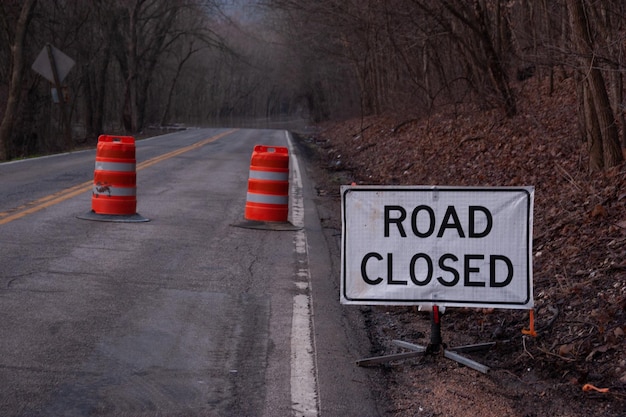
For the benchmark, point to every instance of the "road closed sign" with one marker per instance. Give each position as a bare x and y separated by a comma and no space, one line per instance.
445,246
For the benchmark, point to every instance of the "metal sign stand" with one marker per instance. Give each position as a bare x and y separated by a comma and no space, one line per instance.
434,347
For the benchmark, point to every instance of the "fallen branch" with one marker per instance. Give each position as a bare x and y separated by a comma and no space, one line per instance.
470,138
547,352
360,132
402,124
569,177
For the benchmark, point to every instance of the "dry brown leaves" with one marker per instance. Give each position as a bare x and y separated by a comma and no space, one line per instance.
579,227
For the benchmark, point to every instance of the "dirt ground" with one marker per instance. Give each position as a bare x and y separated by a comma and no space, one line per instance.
579,258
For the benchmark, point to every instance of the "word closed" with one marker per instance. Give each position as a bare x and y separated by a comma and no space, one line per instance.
437,245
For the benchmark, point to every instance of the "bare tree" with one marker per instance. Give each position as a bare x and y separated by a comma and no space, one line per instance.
480,33
17,72
598,120
154,61
149,30
120,47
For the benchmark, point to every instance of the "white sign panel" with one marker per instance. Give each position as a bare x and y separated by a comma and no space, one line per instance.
445,246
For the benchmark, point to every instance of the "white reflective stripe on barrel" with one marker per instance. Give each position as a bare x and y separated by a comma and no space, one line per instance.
269,175
115,166
267,198
112,191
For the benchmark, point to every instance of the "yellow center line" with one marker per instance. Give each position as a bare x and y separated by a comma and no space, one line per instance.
63,195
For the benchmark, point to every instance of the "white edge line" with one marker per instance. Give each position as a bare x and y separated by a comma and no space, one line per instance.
304,393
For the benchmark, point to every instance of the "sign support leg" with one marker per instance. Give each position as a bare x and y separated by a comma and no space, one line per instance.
57,84
434,347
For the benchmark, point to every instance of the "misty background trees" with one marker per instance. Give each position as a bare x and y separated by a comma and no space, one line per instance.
150,63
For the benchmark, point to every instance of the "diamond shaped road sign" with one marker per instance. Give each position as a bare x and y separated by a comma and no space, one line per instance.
43,66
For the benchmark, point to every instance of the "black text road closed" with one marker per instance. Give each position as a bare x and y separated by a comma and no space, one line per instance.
449,246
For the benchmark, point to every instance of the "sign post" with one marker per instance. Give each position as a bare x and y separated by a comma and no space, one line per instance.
54,65
437,247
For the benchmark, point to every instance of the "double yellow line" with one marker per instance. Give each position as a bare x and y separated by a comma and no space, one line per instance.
63,195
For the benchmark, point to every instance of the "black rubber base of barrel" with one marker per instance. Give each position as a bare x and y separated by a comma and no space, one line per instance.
117,218
277,226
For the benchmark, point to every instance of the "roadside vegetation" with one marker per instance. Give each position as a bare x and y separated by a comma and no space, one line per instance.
579,248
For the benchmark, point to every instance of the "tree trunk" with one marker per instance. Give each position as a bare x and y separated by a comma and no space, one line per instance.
15,84
493,62
129,110
604,137
495,65
592,130
609,135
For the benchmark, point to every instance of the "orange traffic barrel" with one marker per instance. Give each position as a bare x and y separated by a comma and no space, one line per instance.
115,178
268,184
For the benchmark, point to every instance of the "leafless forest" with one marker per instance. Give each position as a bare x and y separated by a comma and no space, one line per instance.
142,64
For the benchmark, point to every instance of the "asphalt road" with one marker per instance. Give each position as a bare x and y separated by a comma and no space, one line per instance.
185,315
